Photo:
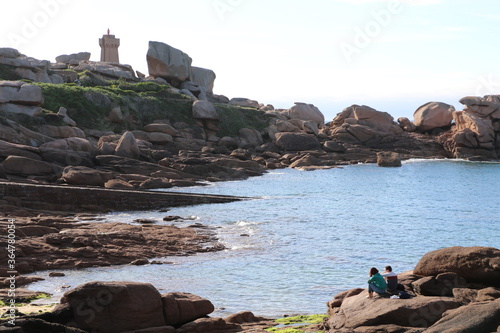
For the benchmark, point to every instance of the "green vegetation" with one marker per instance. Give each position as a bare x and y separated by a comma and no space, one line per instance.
300,324
233,118
23,301
140,103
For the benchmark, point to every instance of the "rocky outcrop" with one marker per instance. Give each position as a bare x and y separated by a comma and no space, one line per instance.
131,307
110,306
182,308
28,68
433,115
74,58
475,264
477,131
296,141
444,300
107,69
205,78
362,124
20,97
388,159
168,62
307,112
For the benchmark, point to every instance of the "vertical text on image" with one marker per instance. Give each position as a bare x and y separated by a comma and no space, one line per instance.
11,270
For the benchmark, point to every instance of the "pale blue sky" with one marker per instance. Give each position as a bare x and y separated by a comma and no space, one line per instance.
391,55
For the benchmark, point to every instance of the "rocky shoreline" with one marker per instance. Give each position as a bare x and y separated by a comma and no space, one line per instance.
77,123
453,289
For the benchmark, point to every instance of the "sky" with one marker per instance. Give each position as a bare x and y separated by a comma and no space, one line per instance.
391,55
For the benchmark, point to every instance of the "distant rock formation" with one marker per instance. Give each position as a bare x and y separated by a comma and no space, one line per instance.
173,65
477,131
28,68
433,115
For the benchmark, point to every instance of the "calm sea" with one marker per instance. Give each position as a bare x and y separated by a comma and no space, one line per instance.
309,235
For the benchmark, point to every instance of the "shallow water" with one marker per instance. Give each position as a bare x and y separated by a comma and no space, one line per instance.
309,235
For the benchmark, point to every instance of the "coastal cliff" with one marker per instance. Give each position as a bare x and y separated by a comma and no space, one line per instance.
80,122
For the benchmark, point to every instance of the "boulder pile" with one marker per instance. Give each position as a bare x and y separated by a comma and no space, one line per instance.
454,289
477,131
128,307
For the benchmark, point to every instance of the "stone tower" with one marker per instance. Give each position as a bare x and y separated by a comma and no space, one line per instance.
109,48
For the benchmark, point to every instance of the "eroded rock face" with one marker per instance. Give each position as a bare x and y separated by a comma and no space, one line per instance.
168,62
433,115
475,264
112,307
483,129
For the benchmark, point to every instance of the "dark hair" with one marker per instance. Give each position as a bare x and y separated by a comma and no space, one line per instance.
373,271
388,268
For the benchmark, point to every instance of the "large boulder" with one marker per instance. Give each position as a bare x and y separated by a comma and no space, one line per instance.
23,166
482,128
204,110
182,308
377,120
82,175
480,106
127,146
7,148
388,159
161,128
307,112
250,138
296,141
475,264
113,307
476,317
361,123
168,62
205,78
420,311
433,115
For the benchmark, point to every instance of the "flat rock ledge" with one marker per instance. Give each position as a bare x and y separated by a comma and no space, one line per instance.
46,243
80,198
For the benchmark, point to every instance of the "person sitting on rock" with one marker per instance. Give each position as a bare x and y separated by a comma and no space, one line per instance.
376,283
391,279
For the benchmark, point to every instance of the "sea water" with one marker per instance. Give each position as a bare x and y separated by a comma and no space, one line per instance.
305,236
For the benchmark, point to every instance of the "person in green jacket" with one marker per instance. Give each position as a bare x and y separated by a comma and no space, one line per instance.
376,283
